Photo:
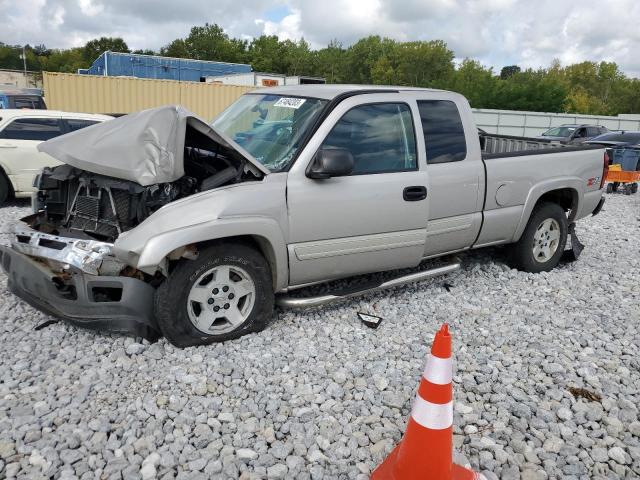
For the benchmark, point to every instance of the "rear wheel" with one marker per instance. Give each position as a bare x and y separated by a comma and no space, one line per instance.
634,187
223,294
543,240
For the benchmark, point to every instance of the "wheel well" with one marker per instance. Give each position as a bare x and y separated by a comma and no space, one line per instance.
9,184
256,242
567,198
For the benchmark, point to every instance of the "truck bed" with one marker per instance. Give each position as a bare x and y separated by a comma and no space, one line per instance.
494,143
513,178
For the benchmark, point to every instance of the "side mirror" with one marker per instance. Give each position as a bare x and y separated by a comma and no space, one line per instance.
331,162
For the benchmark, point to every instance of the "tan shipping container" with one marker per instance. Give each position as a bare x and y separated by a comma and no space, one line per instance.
94,94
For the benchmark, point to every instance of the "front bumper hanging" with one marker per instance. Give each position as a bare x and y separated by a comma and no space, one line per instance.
106,302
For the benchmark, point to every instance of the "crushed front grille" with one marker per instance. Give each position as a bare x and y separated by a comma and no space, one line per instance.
87,206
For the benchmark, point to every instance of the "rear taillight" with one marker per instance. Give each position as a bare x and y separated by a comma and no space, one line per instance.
605,168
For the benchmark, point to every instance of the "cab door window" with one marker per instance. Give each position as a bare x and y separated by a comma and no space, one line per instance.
381,138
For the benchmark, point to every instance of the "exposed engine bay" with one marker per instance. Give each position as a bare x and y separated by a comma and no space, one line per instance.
81,204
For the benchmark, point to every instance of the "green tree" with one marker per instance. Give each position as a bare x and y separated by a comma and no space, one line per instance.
266,54
94,48
69,60
363,55
382,72
10,57
210,42
509,71
146,51
420,64
176,49
475,82
531,90
329,62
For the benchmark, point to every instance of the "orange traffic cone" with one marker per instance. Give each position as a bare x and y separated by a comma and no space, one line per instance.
426,450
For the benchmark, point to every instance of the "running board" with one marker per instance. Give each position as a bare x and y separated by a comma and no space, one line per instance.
287,301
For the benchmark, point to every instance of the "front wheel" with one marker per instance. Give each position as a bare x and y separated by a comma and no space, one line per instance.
543,240
225,293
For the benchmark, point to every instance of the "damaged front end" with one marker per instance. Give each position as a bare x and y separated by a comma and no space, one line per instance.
115,175
61,253
80,204
80,281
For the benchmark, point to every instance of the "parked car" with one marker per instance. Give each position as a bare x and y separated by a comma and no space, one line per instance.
13,97
162,224
573,133
20,133
614,139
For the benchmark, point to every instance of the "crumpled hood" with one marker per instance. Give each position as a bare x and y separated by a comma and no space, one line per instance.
146,147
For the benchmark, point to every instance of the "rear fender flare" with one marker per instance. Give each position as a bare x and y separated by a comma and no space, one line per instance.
538,190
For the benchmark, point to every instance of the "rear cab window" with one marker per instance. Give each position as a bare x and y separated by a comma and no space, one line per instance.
39,129
443,131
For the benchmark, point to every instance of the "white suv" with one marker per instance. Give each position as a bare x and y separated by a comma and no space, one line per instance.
20,133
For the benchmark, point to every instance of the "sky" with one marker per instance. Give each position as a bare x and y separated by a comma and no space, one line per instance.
528,33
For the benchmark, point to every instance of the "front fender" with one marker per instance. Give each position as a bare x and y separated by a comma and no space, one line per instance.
546,186
156,248
255,209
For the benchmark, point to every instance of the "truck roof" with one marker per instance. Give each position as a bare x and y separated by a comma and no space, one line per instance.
330,91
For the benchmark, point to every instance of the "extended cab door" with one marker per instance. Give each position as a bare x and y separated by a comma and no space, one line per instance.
456,172
373,219
18,148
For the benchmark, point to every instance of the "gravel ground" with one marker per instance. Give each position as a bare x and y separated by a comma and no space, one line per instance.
319,395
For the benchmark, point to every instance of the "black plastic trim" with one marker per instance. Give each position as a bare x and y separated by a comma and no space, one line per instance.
596,210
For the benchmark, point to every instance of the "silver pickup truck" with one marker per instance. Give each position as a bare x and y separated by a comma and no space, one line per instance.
161,224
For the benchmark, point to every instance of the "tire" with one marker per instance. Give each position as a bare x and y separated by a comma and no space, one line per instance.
634,187
609,188
615,186
5,187
522,252
184,304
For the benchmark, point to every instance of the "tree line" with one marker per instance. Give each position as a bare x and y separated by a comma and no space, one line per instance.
598,88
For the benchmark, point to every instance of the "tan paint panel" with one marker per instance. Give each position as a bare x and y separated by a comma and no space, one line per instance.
95,94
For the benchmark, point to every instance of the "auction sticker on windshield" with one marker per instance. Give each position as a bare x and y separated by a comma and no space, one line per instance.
290,102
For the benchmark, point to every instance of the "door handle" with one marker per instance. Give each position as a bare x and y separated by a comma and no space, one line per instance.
8,146
414,194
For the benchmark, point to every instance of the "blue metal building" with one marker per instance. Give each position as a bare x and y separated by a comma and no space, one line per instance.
114,64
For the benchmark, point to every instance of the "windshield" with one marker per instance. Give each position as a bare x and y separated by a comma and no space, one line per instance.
560,132
270,127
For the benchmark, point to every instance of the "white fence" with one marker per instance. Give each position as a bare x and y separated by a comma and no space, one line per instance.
527,124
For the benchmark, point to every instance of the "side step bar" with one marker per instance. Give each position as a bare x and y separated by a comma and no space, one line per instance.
287,301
